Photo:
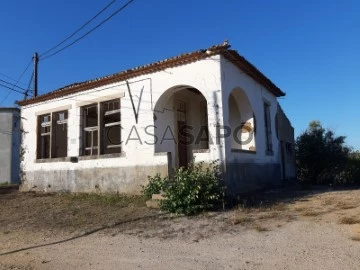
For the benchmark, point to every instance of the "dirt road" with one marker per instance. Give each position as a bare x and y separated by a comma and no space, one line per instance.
315,231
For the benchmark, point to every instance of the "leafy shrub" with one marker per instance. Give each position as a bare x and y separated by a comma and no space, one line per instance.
190,190
155,186
321,156
351,173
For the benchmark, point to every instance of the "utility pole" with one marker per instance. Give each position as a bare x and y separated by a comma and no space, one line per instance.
36,61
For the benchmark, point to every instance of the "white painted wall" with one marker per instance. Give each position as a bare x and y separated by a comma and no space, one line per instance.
138,147
9,145
214,77
233,78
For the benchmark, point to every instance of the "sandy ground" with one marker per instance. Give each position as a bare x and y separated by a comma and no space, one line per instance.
302,230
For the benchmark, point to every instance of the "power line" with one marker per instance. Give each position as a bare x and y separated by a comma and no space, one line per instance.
77,31
91,30
31,79
28,88
10,78
12,89
22,74
11,84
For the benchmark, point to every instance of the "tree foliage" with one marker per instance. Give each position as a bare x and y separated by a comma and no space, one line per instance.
322,157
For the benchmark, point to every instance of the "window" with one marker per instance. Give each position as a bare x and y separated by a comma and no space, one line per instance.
267,122
112,127
52,135
102,128
90,135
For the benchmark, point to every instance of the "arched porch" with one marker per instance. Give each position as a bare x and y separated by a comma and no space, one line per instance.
181,123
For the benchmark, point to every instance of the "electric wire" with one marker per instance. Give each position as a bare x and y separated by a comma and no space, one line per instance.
90,31
78,30
10,78
5,86
28,88
11,84
12,89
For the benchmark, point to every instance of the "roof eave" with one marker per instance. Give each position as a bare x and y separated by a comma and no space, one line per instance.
239,61
179,60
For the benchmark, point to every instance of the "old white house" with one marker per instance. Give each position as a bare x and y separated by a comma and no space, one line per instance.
110,133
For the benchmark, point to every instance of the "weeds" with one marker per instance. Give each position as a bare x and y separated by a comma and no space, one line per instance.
355,238
260,228
311,213
235,220
345,205
349,220
108,199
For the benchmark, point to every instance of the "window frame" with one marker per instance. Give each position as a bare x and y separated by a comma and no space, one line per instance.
51,124
100,128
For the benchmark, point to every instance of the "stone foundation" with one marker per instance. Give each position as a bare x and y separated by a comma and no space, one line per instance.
245,177
95,180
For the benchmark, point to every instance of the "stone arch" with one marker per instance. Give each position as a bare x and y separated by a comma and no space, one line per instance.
181,123
242,121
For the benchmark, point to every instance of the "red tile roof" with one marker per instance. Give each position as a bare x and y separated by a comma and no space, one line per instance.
223,49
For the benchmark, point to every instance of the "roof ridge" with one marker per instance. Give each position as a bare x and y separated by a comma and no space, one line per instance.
157,66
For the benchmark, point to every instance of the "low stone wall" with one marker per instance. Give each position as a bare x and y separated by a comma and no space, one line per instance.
239,178
95,180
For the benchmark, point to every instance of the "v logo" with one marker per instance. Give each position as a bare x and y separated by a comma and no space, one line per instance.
136,111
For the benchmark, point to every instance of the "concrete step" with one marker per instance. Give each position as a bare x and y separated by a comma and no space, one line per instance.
159,197
153,204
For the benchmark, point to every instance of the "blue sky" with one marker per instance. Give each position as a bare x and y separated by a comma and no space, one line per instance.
310,49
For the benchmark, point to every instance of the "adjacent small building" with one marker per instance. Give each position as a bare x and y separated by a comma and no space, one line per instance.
10,145
110,133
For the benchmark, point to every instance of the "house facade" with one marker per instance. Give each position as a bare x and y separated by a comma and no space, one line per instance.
109,134
9,145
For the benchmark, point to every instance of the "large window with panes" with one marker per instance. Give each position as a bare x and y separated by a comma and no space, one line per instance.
52,132
101,128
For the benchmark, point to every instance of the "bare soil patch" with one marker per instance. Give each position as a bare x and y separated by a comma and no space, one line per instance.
38,230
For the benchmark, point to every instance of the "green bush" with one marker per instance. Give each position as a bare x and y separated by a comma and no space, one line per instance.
190,190
351,173
155,186
321,156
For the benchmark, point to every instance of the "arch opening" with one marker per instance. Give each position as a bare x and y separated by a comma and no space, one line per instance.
181,123
241,121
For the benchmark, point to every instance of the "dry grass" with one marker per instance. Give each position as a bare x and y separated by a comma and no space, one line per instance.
300,208
239,219
349,220
269,215
319,206
262,217
311,213
345,205
81,212
355,238
279,207
260,228
66,212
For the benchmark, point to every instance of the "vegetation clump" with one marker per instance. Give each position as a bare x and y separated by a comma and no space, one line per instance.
323,158
190,190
